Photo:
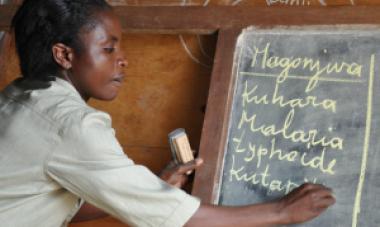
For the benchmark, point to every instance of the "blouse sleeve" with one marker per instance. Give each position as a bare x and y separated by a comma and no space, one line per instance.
89,162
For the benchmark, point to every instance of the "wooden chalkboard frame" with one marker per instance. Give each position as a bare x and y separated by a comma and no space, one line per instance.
215,128
228,22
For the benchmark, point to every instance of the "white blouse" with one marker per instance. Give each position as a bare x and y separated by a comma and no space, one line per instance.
55,150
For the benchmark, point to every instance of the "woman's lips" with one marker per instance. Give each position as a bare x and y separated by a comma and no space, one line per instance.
118,79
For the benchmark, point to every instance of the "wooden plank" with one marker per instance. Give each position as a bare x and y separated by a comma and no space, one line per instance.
210,19
107,221
167,19
6,14
5,48
215,125
294,3
205,20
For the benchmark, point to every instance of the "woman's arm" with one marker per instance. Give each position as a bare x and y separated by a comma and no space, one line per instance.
88,212
302,204
175,175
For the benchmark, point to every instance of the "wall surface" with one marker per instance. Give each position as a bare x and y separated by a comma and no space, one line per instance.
245,2
164,90
166,85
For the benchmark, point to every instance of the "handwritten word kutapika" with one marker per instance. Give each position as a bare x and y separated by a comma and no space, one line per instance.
263,178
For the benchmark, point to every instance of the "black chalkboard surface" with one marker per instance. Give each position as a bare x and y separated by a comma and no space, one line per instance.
306,108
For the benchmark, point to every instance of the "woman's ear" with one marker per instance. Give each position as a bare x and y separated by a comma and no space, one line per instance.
63,55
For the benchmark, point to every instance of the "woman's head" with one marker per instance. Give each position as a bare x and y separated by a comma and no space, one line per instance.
65,38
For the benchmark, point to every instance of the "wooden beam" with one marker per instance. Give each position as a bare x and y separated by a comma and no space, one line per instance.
6,14
215,127
205,20
5,48
209,19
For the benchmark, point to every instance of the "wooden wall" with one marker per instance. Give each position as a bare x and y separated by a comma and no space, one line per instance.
245,2
166,85
164,90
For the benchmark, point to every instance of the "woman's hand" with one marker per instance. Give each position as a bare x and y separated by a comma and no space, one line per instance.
306,202
176,175
300,205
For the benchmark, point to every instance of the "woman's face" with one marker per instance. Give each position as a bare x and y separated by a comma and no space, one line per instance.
97,71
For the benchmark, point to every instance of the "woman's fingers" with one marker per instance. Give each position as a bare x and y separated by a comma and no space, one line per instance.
176,175
188,168
306,202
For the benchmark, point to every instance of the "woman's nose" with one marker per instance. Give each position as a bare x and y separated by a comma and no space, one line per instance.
123,63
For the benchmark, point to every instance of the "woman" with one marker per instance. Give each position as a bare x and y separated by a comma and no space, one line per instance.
56,151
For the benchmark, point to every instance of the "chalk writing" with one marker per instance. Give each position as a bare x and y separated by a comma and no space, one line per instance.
303,113
289,2
363,167
304,2
238,173
249,96
311,137
307,159
306,63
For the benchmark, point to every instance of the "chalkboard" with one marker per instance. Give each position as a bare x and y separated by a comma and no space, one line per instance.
306,108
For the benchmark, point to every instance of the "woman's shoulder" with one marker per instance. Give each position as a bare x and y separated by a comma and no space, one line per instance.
63,104
56,101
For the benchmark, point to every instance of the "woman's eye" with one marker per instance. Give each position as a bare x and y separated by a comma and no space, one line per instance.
109,49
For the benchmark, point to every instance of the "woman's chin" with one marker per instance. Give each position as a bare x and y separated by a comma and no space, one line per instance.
109,96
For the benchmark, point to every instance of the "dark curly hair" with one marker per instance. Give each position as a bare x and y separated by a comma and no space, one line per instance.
39,24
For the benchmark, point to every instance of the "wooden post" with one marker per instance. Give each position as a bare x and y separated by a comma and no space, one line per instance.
215,125
5,47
